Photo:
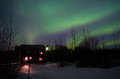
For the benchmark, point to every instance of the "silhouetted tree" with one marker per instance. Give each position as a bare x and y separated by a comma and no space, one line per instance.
7,34
90,43
74,38
116,41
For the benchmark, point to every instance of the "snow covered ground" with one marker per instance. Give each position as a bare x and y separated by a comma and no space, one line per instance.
50,71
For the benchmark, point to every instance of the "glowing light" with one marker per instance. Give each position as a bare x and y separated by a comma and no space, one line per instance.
30,58
40,59
41,52
26,58
47,48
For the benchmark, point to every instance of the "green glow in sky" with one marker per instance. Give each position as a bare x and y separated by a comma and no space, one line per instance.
107,30
39,17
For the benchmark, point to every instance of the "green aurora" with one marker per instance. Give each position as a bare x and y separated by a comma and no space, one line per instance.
43,17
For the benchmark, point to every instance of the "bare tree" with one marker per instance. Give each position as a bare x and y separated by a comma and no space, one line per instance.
74,38
89,42
61,40
7,34
102,44
85,33
116,41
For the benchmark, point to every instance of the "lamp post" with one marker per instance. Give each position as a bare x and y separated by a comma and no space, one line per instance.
28,68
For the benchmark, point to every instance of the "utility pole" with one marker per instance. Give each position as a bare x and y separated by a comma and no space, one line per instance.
28,68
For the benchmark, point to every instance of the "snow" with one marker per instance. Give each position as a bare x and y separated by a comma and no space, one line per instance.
51,71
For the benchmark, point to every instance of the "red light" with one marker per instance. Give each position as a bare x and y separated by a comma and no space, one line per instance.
41,52
30,58
26,58
40,59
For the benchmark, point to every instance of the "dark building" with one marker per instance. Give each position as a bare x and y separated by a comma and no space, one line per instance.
32,53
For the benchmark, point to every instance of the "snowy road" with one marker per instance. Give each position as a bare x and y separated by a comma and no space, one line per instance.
50,71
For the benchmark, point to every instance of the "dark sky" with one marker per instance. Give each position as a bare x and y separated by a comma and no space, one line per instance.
48,20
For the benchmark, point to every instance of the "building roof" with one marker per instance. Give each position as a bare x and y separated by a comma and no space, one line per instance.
32,47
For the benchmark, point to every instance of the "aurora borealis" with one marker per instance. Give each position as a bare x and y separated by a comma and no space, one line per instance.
48,20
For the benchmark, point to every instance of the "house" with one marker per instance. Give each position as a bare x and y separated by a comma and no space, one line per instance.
32,53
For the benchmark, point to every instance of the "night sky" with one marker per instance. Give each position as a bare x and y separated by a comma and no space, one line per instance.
45,21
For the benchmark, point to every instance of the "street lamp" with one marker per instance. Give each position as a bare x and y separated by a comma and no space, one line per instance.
47,48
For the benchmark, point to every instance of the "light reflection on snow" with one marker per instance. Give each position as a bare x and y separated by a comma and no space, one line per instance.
25,69
50,71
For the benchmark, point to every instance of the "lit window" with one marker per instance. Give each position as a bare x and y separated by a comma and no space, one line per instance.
40,59
41,52
30,58
26,58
